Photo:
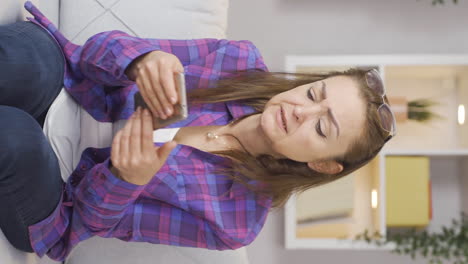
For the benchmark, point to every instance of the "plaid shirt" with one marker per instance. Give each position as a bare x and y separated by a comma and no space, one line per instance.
186,203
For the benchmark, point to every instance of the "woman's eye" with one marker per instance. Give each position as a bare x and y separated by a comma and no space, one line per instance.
310,95
318,127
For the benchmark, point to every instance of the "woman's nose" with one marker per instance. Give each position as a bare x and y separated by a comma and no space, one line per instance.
310,111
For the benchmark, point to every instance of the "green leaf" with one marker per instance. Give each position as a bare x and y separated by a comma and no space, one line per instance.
449,244
424,252
441,2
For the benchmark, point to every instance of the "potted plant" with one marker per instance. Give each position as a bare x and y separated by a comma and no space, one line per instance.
416,110
449,244
441,2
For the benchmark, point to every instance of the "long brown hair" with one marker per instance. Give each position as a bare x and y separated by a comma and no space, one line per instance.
283,177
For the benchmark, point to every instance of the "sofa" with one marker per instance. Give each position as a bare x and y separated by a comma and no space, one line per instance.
68,125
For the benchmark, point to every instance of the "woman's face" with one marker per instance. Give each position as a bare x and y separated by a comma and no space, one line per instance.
321,120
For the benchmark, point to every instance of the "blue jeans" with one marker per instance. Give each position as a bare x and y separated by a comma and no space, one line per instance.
31,77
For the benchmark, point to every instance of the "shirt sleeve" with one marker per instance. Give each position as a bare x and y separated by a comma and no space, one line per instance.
106,92
201,220
232,222
236,216
105,56
94,202
209,229
101,199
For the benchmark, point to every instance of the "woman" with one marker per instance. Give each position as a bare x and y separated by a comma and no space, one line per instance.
250,141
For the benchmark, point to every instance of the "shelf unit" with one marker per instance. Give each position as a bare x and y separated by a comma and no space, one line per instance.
452,154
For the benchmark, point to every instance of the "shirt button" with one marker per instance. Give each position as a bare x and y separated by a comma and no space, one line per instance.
83,167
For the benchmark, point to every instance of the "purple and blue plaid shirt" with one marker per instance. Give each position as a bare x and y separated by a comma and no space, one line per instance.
186,203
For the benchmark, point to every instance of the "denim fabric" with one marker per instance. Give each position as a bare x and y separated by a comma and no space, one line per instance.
31,76
31,68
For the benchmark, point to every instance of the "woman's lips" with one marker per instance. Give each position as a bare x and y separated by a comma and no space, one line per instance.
285,121
279,120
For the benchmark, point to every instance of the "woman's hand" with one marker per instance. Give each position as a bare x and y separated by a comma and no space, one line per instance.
154,75
134,157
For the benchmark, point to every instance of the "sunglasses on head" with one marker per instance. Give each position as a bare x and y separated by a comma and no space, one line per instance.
387,118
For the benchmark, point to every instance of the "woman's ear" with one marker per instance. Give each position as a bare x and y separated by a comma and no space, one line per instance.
326,166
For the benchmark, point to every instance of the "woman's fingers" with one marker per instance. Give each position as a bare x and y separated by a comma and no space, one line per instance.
159,91
164,151
179,67
151,95
133,153
124,143
144,94
146,97
135,137
170,93
115,150
147,131
155,78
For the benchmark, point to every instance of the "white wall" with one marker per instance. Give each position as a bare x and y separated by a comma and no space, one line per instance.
280,27
311,27
464,184
446,190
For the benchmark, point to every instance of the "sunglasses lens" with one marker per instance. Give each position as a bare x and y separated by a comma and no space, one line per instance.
375,82
387,119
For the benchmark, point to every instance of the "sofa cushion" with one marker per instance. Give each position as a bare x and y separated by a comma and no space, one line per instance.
12,10
175,19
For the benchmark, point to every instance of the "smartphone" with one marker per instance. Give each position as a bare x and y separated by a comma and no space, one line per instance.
180,108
